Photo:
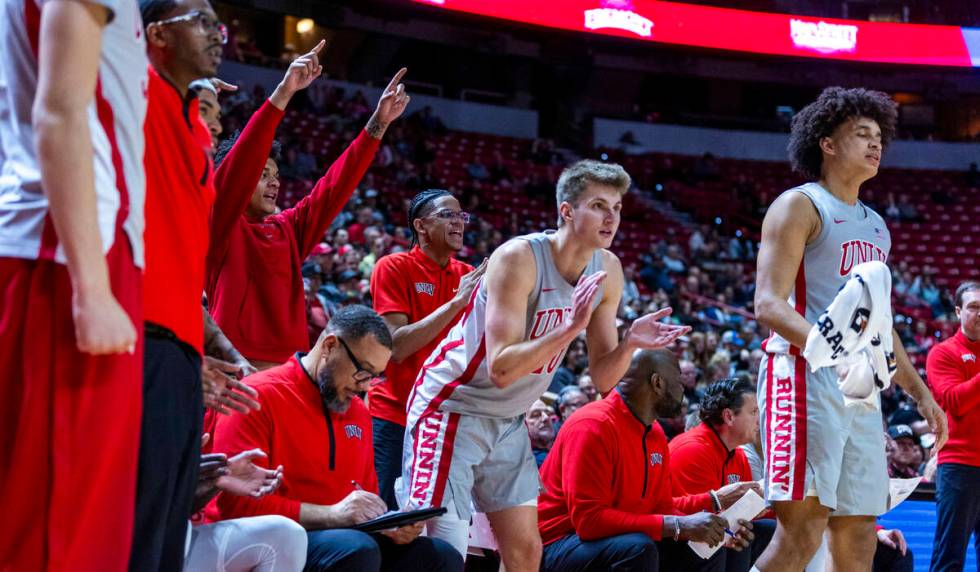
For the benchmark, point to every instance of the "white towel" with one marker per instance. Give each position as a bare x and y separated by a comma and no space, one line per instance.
854,334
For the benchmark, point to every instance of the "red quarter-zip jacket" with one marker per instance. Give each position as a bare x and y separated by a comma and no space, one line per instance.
322,454
700,462
953,371
608,474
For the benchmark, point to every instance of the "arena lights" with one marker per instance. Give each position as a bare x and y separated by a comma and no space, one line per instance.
741,30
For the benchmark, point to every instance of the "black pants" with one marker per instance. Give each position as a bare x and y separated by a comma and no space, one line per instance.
345,550
742,561
170,449
957,516
633,552
389,438
891,560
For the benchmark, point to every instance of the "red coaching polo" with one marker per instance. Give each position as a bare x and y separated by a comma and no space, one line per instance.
179,196
413,284
320,455
609,474
953,371
700,462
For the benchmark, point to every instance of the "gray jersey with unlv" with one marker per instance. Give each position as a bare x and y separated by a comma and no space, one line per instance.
849,235
455,378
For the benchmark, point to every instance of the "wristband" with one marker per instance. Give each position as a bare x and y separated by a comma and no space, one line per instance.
677,529
715,501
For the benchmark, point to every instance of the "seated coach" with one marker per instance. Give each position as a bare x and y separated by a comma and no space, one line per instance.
607,503
313,422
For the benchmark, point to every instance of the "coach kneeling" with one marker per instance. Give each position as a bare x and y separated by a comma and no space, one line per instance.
607,503
313,422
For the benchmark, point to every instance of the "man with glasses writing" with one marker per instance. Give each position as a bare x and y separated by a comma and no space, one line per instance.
419,294
313,423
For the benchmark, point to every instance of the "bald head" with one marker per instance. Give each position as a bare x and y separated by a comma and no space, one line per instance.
645,363
652,384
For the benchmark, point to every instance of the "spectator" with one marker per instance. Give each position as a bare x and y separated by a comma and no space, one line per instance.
541,429
570,399
907,211
587,386
689,379
709,457
673,260
612,508
953,369
313,422
905,457
573,364
477,170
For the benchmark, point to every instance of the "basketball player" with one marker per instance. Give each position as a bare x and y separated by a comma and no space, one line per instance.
71,252
825,463
465,440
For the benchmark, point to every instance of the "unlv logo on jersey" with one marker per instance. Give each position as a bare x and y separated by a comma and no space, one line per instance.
544,322
854,252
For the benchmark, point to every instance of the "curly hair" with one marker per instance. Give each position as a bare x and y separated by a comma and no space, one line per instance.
835,106
275,152
725,394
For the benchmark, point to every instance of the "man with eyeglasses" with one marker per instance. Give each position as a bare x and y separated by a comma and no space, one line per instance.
184,41
313,422
71,303
419,294
261,256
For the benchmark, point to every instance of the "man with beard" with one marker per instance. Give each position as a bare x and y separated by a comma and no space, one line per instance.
541,430
313,422
612,509
419,294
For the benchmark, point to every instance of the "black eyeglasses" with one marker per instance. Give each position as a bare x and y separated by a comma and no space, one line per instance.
447,214
360,373
208,23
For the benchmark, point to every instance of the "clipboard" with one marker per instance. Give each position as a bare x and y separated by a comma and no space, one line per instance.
396,519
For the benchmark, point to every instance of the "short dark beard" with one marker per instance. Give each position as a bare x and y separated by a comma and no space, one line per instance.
669,409
328,392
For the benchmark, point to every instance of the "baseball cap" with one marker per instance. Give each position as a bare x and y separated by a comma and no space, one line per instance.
322,248
348,275
897,432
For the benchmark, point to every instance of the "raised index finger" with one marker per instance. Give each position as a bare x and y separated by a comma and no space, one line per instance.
396,80
316,49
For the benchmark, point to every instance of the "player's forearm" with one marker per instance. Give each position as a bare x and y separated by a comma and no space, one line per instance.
777,315
610,368
906,376
520,359
65,153
410,338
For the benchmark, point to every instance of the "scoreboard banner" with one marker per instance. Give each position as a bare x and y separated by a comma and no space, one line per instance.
741,30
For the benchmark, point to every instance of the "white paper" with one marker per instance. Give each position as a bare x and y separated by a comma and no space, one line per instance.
745,508
900,489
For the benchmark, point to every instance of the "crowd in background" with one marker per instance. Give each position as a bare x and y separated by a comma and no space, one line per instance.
707,277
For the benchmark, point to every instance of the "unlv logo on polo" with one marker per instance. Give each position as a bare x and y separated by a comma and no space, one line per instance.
854,252
545,321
